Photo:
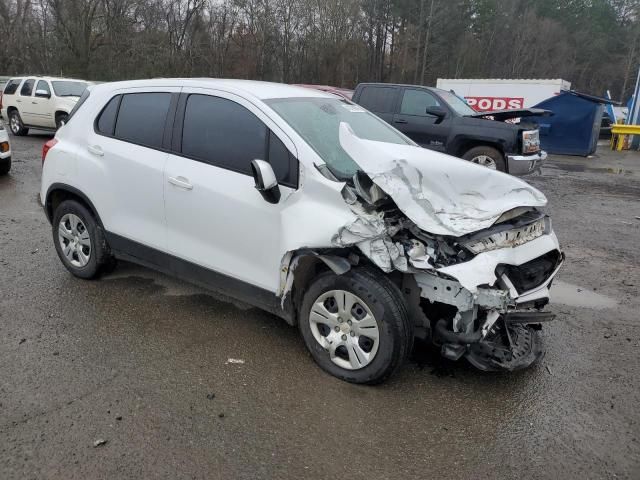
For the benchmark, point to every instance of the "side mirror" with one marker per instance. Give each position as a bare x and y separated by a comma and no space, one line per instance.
436,111
266,182
43,94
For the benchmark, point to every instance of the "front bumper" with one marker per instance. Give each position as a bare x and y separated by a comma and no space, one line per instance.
525,164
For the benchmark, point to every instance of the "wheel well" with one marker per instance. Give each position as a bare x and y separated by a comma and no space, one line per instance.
10,109
56,196
60,112
467,145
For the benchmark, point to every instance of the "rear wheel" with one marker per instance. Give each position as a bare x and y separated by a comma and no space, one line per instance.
487,157
15,124
356,325
79,240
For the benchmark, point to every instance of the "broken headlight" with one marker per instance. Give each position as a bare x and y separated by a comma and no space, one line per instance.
509,238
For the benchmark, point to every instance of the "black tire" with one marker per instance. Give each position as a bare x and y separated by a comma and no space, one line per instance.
100,254
385,302
61,120
5,166
484,150
15,124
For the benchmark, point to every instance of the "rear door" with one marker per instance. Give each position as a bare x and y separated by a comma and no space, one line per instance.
24,102
216,218
427,130
42,105
129,144
380,99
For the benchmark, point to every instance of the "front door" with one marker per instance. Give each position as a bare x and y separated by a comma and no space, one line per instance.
216,218
42,105
427,130
24,102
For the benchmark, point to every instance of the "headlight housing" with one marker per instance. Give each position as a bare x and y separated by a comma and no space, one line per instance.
530,141
509,238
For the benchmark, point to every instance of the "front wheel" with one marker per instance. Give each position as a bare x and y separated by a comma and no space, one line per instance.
487,157
61,120
356,325
5,166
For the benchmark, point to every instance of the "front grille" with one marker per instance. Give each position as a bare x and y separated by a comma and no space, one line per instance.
532,274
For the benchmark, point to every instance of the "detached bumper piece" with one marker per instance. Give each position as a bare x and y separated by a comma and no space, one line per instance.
526,164
512,343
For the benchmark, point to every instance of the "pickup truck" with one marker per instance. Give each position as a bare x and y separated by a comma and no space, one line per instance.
442,121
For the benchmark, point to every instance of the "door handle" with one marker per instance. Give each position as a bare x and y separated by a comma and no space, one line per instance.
18,100
96,150
401,120
35,103
180,182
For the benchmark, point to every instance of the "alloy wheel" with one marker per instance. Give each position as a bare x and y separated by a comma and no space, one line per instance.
485,161
74,239
14,123
344,326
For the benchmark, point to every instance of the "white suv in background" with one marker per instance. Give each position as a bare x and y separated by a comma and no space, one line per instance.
310,207
43,103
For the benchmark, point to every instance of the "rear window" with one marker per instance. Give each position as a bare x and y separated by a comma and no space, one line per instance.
378,99
12,87
141,118
107,120
81,100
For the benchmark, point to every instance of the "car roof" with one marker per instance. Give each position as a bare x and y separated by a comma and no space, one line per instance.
40,77
255,88
378,84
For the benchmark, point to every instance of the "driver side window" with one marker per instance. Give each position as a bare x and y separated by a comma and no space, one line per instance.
415,102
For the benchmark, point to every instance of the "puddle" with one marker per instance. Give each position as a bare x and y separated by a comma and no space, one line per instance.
576,296
577,167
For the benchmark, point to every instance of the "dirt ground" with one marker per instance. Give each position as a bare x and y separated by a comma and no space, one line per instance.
140,361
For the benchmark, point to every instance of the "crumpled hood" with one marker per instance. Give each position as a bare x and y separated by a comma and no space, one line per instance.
442,195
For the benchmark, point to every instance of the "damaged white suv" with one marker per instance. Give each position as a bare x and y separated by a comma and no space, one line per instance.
310,207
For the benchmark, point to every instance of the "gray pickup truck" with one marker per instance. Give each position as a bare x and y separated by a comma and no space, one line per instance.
440,120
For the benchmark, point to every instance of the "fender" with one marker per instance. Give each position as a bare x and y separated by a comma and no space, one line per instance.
75,192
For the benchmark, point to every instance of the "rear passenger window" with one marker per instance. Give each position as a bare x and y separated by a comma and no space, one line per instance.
12,87
27,88
142,117
223,133
378,99
106,123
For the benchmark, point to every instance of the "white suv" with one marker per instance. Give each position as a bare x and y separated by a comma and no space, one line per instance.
310,207
39,102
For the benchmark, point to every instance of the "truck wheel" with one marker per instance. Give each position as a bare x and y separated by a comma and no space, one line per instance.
79,240
487,157
356,325
15,124
61,120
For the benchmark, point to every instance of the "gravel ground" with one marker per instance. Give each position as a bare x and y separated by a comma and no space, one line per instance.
140,361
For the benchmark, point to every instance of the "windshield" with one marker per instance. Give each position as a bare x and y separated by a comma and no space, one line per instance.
455,102
317,120
68,89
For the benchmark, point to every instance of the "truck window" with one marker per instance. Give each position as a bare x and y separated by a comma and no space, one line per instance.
378,99
415,102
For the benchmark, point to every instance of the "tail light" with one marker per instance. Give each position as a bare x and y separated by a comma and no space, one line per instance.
48,146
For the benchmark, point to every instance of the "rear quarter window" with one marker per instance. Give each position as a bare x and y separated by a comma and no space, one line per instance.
12,87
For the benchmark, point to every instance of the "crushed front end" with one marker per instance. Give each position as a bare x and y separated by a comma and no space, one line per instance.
489,308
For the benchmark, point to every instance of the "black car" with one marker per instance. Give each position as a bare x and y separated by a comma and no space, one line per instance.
442,121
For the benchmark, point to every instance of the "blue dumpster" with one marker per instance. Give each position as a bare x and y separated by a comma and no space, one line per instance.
574,127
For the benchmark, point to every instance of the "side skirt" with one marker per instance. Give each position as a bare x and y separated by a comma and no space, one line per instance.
135,252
